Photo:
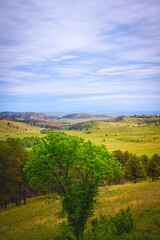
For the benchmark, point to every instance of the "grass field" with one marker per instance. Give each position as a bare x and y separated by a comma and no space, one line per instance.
125,136
17,129
138,139
37,219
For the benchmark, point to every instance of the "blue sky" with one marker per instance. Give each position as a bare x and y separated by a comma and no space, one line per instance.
80,56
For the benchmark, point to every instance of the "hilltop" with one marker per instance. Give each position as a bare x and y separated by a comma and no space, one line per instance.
43,116
27,115
85,116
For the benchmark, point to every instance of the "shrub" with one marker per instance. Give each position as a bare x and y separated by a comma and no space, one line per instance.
111,228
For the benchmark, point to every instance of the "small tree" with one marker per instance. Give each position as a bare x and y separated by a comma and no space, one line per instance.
153,168
134,170
120,157
145,161
76,168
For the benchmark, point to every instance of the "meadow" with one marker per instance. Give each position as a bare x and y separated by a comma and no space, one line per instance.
125,136
38,220
17,130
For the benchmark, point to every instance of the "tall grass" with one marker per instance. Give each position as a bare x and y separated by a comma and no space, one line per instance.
38,220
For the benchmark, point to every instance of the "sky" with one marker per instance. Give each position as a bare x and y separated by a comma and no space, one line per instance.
71,56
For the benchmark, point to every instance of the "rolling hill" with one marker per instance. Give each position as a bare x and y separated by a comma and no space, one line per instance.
42,116
85,116
27,115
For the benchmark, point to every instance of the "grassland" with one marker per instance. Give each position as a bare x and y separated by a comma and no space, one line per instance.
126,136
37,219
17,129
138,139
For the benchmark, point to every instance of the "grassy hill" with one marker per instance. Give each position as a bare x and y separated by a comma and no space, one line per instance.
85,116
37,219
42,116
132,135
136,135
27,115
10,128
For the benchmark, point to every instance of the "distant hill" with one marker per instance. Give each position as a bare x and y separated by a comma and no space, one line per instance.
84,116
42,116
27,115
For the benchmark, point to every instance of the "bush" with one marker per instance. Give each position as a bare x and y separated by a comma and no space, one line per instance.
123,221
111,228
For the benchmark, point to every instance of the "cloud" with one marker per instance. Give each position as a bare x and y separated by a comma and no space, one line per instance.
133,70
64,58
114,97
76,47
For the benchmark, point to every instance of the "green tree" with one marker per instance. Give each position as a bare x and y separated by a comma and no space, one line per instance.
5,176
76,168
134,170
145,161
156,159
12,177
153,168
120,157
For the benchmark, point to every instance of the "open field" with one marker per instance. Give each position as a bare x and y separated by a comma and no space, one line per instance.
126,136
37,219
17,129
138,139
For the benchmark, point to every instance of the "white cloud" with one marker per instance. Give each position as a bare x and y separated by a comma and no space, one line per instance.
132,70
64,58
114,97
115,45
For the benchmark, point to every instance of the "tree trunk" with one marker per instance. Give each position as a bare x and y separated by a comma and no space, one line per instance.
77,237
5,204
24,197
24,200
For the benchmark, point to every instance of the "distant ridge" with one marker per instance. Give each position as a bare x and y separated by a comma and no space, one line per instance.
27,115
42,116
83,116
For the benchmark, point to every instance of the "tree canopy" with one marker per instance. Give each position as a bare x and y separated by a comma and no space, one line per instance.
75,168
134,170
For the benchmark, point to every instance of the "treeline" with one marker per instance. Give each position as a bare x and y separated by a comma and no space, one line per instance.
146,116
38,123
26,142
148,119
82,125
13,182
136,168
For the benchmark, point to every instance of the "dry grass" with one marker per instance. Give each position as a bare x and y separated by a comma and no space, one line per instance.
37,220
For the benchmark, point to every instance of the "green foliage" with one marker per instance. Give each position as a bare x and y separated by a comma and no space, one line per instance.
83,126
26,142
46,131
75,168
145,161
112,227
123,221
12,178
122,157
134,170
66,232
153,167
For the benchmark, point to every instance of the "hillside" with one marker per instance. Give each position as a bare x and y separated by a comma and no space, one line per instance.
27,115
38,220
42,116
138,136
85,116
